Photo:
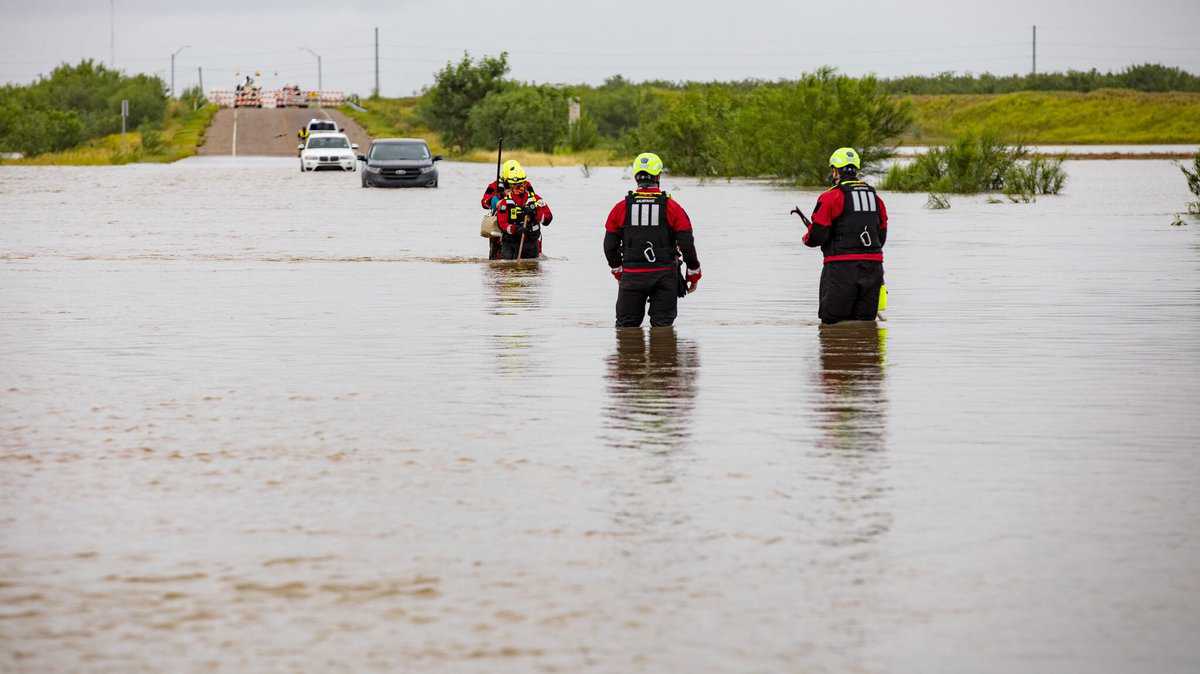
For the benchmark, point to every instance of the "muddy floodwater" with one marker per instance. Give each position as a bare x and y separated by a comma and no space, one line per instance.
258,421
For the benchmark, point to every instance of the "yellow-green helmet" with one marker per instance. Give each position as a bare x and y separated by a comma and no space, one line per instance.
843,157
648,162
512,172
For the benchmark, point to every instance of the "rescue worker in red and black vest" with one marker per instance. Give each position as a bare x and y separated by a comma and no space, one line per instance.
646,235
849,225
521,214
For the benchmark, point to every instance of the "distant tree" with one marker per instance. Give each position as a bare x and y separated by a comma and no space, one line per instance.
457,89
527,116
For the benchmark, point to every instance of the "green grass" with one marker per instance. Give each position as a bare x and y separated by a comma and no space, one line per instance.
182,134
1103,117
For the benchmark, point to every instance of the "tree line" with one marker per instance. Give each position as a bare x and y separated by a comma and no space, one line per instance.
75,104
745,128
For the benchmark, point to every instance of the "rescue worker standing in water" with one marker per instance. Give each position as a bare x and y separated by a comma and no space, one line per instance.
645,235
849,225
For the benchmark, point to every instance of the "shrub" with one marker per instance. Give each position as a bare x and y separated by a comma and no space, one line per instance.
582,135
193,98
1039,175
782,129
525,116
977,162
152,138
458,88
74,104
692,133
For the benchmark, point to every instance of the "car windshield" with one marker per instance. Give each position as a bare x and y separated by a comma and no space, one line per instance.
322,126
327,143
387,151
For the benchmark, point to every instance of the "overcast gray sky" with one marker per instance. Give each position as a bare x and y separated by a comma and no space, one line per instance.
568,41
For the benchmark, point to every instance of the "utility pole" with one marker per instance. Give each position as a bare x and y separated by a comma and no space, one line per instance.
173,68
1035,51
200,74
320,85
376,62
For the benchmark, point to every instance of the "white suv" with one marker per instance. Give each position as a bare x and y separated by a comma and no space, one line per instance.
326,151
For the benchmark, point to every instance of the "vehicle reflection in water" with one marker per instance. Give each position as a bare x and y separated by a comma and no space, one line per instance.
851,412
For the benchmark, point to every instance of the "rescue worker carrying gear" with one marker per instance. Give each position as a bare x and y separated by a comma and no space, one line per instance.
521,214
849,225
645,237
511,173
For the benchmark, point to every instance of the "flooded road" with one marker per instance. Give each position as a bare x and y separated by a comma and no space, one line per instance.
254,420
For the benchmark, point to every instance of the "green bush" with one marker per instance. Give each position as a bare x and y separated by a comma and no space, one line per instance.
977,162
533,117
152,138
782,129
457,89
194,98
691,134
583,134
74,104
1039,175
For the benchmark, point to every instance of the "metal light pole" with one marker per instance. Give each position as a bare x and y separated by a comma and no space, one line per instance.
173,68
320,85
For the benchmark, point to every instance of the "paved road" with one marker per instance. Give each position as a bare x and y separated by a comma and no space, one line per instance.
269,131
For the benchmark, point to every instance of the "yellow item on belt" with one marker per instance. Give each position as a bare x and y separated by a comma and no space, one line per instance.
883,297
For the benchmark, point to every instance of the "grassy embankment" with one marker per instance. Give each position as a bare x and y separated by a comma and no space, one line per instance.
1104,117
182,133
397,117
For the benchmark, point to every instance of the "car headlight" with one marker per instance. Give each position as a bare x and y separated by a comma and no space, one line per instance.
427,169
372,169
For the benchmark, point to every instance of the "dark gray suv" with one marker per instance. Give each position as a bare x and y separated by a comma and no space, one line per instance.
399,162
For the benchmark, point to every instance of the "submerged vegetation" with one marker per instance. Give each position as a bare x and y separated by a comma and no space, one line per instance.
1193,180
978,162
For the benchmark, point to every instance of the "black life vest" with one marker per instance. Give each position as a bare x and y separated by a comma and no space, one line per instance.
646,239
856,230
524,215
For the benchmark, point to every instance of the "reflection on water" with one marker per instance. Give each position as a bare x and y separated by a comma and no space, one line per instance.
851,412
651,380
514,285
853,403
652,389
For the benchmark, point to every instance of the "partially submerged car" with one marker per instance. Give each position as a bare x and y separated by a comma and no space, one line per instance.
325,151
399,162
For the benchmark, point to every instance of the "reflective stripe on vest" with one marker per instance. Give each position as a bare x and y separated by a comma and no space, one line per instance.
647,240
856,230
